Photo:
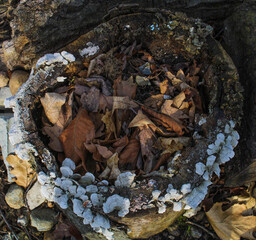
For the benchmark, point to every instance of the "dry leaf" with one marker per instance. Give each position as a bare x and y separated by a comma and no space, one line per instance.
52,103
111,171
80,131
129,156
126,88
147,138
140,120
154,101
164,86
179,101
110,125
90,100
166,121
98,151
233,223
123,103
173,112
53,133
22,170
171,145
120,144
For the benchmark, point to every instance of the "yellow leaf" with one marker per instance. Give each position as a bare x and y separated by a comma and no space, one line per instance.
235,222
178,101
140,120
22,170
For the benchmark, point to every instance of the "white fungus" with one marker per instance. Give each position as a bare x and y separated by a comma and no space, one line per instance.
66,183
80,191
68,56
161,207
62,201
155,195
72,189
69,163
87,216
177,206
61,79
97,200
116,202
186,188
125,179
100,222
87,179
78,207
43,178
90,50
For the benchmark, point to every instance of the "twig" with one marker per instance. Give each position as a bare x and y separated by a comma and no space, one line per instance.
8,225
25,229
203,228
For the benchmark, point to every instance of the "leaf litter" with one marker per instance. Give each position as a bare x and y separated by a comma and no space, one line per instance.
122,111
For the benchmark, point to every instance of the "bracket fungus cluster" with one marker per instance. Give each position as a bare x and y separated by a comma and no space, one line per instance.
103,194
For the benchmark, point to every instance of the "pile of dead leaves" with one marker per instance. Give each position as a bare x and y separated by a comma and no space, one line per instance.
122,111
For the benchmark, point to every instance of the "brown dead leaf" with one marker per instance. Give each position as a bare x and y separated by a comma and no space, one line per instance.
80,131
126,88
110,125
154,101
140,120
111,171
123,103
164,86
53,133
22,170
120,144
173,112
180,74
179,101
129,156
52,103
98,151
233,223
167,121
90,100
171,145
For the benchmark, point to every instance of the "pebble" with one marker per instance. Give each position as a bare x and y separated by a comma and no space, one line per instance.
4,79
196,233
142,81
34,196
43,219
174,230
22,220
14,197
17,79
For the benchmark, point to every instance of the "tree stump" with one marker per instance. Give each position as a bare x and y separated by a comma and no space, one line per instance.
169,36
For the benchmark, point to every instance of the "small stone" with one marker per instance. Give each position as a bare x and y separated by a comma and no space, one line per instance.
22,220
34,196
142,81
14,197
4,93
196,233
17,79
3,79
174,230
43,219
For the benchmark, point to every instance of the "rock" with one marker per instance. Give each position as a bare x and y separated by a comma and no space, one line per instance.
174,230
34,196
6,120
196,233
17,79
3,79
43,219
14,197
4,93
22,220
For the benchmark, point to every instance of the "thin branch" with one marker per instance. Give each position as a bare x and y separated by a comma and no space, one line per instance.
203,228
8,225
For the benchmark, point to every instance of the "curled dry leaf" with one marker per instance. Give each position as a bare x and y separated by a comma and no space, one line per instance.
233,223
179,101
80,131
140,120
52,103
110,125
111,171
164,86
22,170
129,156
98,151
173,112
172,124
154,101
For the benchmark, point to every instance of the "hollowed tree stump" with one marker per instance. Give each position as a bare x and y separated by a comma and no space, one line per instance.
170,37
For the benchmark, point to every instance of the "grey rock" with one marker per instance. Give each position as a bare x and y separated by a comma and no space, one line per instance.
17,79
43,219
4,93
4,79
196,232
14,197
6,120
34,196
